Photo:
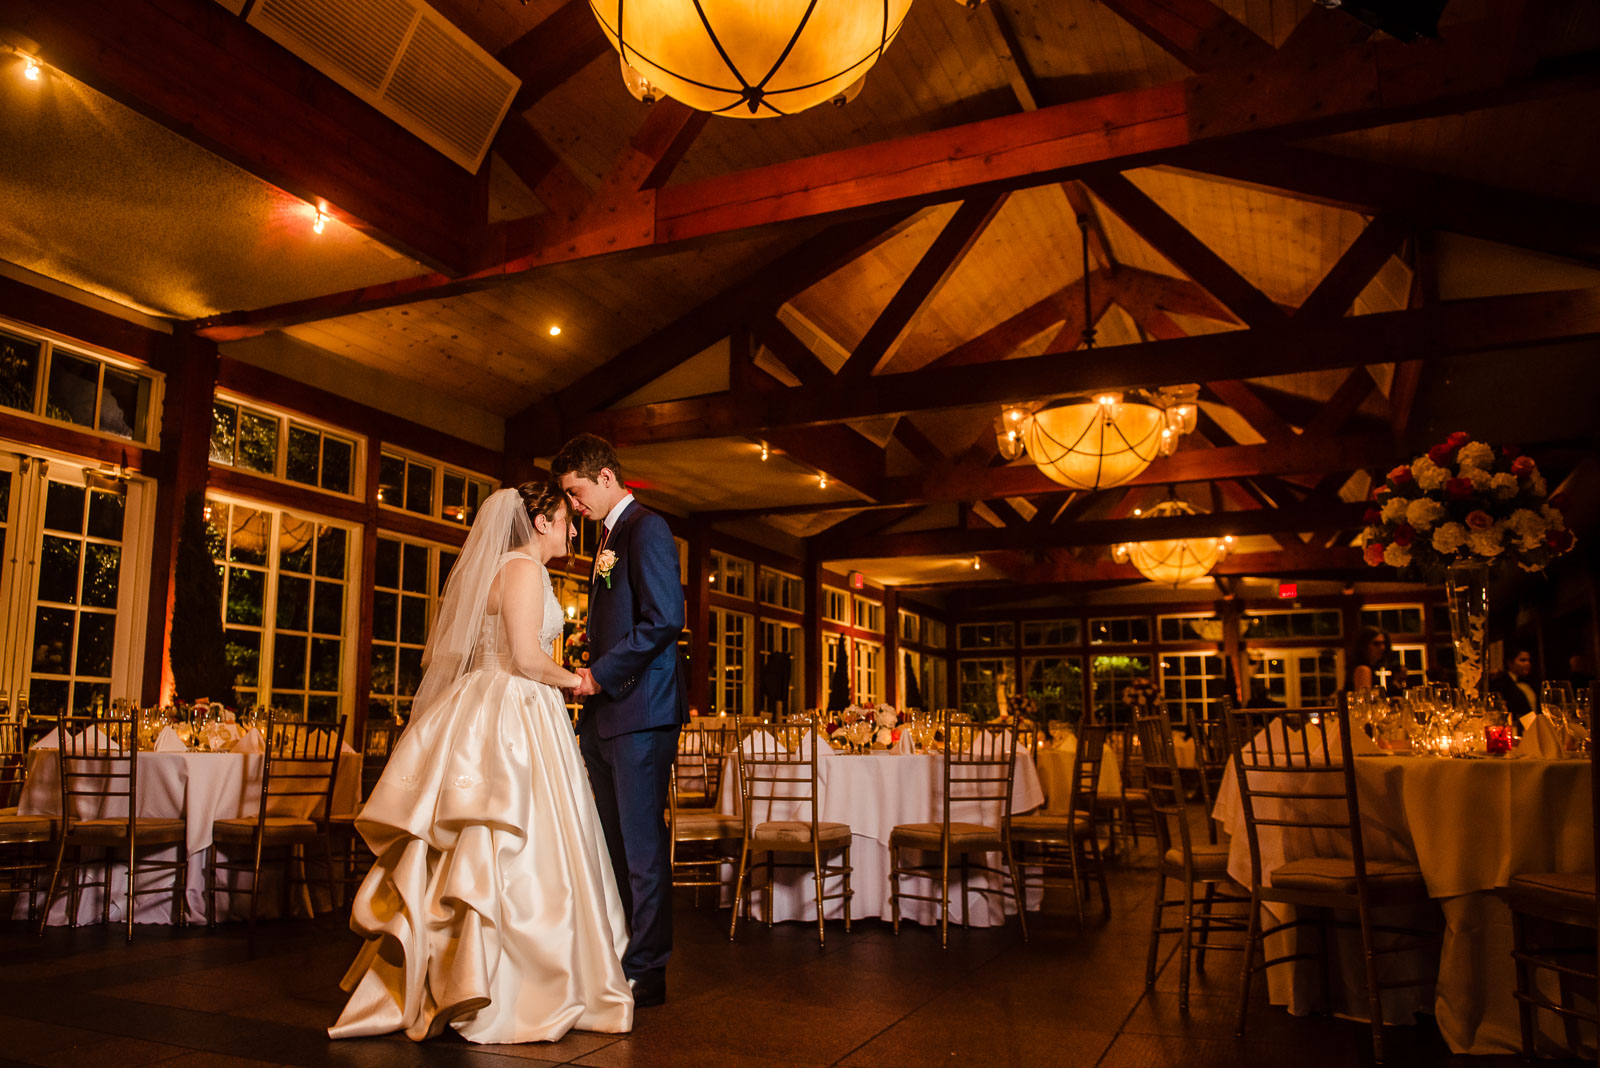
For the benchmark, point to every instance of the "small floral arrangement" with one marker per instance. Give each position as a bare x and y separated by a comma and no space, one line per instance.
886,721
1465,502
603,565
577,646
1140,693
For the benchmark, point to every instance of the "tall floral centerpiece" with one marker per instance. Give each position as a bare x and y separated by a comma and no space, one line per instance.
1454,514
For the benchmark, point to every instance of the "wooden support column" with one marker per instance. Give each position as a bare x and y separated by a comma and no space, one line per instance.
816,685
891,646
698,616
183,469
369,575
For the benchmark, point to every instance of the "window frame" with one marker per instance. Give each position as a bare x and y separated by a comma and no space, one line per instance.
287,421
434,582
48,342
440,469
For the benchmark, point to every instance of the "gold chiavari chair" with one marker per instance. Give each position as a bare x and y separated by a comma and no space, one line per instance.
1296,771
778,767
1567,900
1211,759
298,768
980,764
377,742
701,842
1127,810
22,838
98,765
702,749
1068,844
1179,857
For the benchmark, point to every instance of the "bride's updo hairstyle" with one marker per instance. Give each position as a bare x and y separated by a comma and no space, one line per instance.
542,499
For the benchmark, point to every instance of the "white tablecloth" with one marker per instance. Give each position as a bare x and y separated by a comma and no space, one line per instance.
873,794
1055,775
1469,825
201,788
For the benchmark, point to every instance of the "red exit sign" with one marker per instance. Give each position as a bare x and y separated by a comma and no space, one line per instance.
858,581
1288,591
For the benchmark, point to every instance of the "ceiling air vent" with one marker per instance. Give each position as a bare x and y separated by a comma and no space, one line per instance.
406,60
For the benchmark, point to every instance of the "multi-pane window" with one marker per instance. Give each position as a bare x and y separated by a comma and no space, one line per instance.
935,682
1189,628
730,575
1120,630
833,648
1055,683
83,390
1414,661
1394,619
869,615
252,439
427,488
986,636
1300,678
1037,633
75,607
1293,623
729,644
933,633
980,682
1110,677
781,590
1193,686
835,606
285,584
910,627
868,672
780,666
408,578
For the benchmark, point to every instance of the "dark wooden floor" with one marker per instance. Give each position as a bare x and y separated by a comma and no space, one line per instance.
773,998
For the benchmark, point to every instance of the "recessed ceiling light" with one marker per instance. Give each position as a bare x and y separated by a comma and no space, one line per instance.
555,331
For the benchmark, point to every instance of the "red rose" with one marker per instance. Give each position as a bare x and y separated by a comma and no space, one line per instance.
1374,553
1400,475
1459,488
1522,465
1559,540
1372,517
1404,535
1510,451
1379,492
1440,454
1458,439
1479,520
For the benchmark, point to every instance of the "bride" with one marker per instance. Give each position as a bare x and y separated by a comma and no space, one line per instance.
492,907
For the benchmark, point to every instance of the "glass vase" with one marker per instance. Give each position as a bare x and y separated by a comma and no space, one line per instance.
1466,588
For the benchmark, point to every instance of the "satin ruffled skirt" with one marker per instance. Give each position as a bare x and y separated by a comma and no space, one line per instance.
492,907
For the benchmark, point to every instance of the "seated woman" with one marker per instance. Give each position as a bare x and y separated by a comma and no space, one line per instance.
1373,664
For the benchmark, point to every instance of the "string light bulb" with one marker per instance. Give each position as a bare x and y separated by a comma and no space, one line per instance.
30,69
319,222
765,452
822,480
555,331
976,563
572,611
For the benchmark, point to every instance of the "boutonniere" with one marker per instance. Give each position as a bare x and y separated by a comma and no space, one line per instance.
603,565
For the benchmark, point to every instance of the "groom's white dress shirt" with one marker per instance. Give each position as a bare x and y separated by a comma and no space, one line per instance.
616,512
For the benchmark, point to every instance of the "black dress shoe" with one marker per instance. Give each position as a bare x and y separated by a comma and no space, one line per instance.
648,992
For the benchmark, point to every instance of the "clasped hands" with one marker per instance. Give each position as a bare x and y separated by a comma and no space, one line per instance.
586,685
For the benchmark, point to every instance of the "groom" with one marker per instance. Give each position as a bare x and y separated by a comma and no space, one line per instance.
634,701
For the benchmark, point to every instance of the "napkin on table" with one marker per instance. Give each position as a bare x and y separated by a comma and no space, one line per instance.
49,741
250,743
904,745
1539,738
169,742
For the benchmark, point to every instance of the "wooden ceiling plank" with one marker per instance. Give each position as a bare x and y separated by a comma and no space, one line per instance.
568,40
791,351
1007,50
1337,410
1197,33
917,443
937,264
1452,329
1191,255
1358,266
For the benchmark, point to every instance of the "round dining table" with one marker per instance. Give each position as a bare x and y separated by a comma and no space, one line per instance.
198,787
1470,825
874,793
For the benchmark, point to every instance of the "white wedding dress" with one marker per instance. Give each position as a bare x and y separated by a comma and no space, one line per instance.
492,907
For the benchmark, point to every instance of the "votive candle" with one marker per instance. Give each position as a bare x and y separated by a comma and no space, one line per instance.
1497,739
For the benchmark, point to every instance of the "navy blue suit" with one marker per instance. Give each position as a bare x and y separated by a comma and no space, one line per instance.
628,733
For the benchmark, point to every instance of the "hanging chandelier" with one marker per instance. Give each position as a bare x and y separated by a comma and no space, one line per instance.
1090,443
732,57
1174,561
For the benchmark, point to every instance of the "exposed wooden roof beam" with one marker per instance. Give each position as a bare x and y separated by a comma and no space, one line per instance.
1063,573
210,77
568,40
1376,84
1251,408
1197,33
544,172
1451,329
791,351
1337,410
1358,266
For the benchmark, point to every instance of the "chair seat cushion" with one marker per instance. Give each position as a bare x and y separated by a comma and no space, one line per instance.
693,798
1210,860
15,828
1047,827
796,834
146,831
963,836
278,829
1556,890
708,826
1337,875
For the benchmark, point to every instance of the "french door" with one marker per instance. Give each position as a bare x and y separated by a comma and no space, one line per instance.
74,582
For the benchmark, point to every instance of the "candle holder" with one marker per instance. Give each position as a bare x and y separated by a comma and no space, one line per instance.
1497,739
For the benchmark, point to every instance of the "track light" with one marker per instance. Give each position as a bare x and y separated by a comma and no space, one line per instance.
319,222
765,452
822,480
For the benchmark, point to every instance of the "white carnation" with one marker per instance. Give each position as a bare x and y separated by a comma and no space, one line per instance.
1553,517
1475,454
1538,486
1424,512
1525,521
1479,478
1486,542
1503,485
1396,555
1449,537
1394,509
1429,475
